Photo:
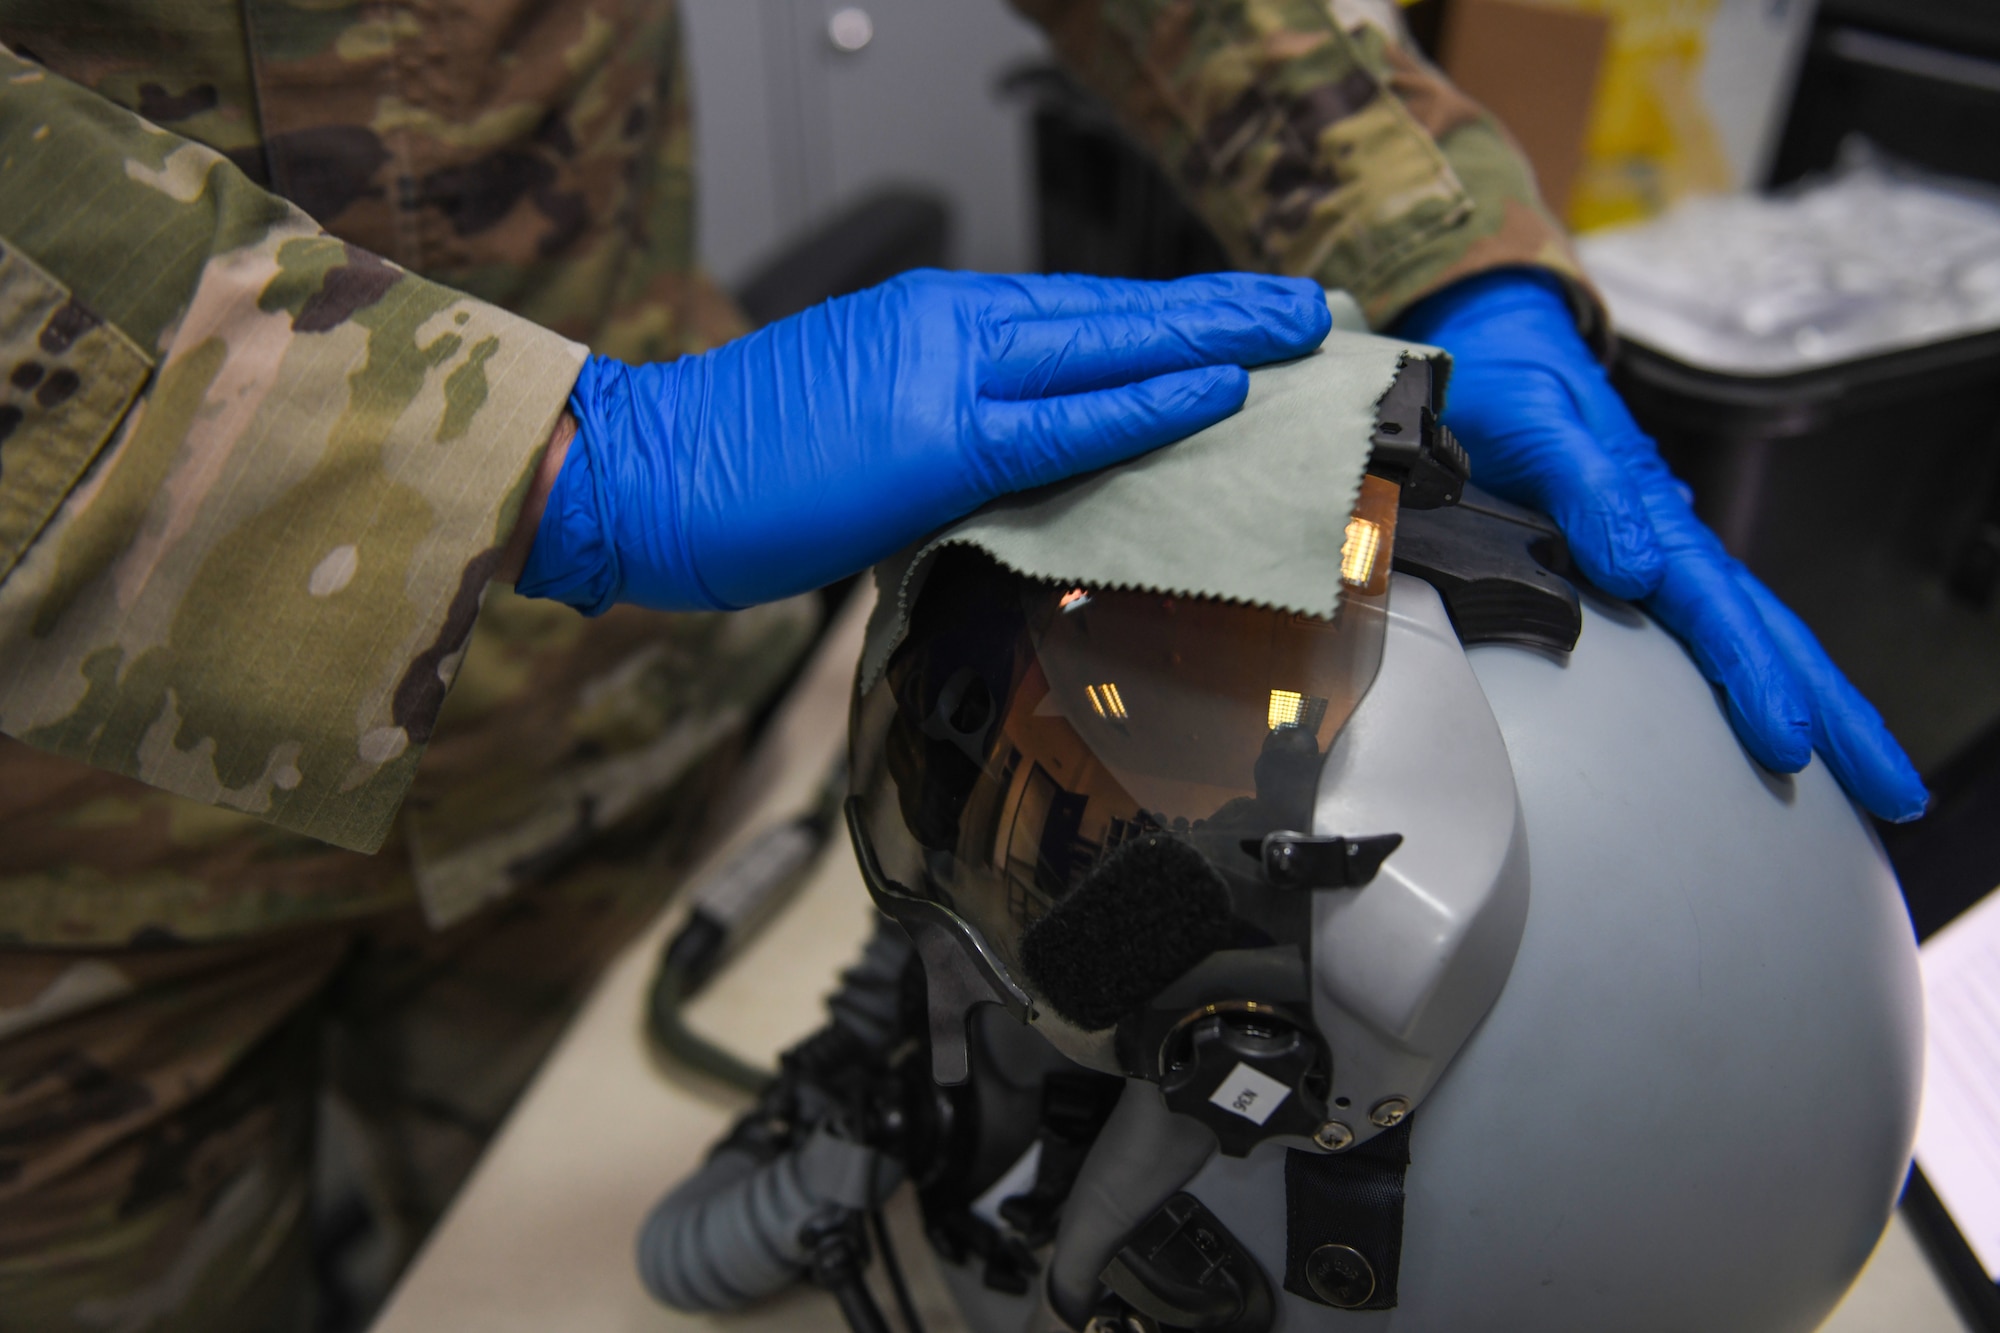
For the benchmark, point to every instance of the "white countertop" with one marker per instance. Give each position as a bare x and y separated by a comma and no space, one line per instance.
541,1237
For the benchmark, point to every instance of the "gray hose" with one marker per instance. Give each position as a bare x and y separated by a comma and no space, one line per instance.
1143,1156
729,1235
870,995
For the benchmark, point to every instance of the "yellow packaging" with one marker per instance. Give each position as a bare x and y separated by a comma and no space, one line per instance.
1690,100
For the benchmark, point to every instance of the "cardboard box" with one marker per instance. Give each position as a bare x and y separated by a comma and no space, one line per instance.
1625,106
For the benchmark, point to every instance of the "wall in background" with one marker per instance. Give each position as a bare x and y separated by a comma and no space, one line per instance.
791,124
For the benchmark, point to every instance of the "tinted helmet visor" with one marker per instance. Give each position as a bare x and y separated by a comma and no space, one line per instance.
1024,732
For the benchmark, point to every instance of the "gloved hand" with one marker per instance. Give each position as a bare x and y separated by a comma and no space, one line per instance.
816,446
1544,427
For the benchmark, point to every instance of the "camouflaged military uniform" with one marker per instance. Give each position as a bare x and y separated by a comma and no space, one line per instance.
257,460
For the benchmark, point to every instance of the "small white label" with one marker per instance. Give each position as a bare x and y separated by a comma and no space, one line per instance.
1252,1095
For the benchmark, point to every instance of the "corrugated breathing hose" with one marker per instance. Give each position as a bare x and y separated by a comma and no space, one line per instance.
785,1195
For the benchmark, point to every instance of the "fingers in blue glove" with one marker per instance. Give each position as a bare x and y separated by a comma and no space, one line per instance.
1042,440
1701,601
1551,464
1541,424
1847,731
813,447
1035,358
1054,295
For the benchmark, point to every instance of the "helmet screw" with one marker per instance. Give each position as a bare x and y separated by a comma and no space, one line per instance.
1390,1111
1333,1136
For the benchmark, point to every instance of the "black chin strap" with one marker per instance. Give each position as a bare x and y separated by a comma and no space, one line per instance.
1344,1222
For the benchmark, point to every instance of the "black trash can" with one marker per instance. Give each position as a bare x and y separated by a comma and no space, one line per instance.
1867,495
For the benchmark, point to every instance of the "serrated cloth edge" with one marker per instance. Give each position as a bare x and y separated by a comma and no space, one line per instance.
1253,509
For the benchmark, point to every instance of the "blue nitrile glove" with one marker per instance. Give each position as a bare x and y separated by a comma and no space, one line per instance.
816,446
1543,426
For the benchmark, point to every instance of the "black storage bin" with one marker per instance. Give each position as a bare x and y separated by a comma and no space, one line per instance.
1918,78
1864,495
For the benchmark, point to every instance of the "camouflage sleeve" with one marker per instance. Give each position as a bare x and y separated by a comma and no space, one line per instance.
252,479
1314,140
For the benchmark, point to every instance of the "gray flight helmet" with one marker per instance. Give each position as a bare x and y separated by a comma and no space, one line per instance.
1465,971
1691,1103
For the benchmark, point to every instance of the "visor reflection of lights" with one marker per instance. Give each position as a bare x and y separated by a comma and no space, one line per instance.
1286,705
1289,708
1075,599
1358,552
1106,700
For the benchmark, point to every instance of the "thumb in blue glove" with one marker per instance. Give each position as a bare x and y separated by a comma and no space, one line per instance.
816,446
1543,426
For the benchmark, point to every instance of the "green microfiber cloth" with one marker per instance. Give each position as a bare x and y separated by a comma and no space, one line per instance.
1254,509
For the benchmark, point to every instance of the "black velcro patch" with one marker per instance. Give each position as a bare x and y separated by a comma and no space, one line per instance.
1146,913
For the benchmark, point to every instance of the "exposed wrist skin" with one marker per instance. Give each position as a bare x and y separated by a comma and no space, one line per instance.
523,539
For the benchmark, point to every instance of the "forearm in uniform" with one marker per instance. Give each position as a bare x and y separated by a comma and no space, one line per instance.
253,479
1314,140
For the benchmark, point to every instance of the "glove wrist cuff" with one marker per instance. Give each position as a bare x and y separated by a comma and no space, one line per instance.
1441,317
573,559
